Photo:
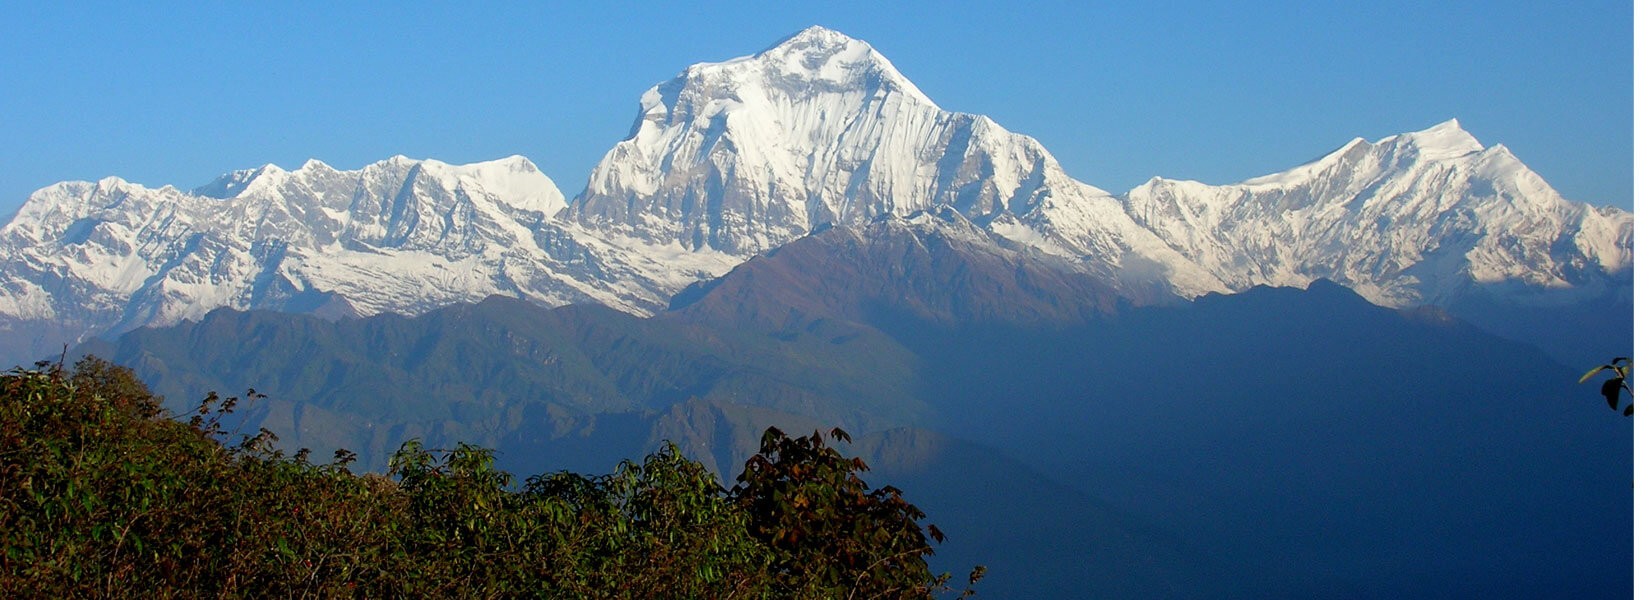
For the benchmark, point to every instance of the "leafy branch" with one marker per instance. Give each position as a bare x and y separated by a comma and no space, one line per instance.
1613,387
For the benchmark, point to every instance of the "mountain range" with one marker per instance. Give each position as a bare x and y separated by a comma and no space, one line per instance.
1351,450
728,160
1356,373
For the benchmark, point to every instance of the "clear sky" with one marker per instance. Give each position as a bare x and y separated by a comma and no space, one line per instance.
1118,91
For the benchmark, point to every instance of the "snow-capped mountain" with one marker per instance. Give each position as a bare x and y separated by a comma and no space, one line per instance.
400,235
1410,219
736,158
744,155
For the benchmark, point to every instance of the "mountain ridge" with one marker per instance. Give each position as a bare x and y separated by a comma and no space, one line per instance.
736,158
1268,420
1463,215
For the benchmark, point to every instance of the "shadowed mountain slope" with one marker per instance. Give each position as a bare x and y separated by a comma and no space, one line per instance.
1349,449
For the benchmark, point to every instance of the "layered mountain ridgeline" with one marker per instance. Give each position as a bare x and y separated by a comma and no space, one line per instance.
477,372
803,330
1349,448
399,236
736,158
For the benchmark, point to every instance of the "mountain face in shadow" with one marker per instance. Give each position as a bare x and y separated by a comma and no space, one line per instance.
1580,334
1277,442
1348,449
934,267
477,373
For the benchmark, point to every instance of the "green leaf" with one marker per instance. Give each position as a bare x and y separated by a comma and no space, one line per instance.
1593,372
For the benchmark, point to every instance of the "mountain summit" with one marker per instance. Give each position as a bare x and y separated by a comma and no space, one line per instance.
822,58
1416,218
731,159
744,155
396,236
747,154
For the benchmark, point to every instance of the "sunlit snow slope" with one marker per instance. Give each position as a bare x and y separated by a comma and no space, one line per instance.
744,155
1410,219
400,236
731,159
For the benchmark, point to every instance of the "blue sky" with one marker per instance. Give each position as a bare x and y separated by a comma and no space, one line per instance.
1119,92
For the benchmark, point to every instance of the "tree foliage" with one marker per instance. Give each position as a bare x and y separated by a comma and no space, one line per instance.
1620,368
103,494
832,532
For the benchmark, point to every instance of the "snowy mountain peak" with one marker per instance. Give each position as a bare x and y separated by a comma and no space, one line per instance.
396,235
1414,218
817,55
818,44
816,35
814,63
235,183
514,163
744,155
514,180
1444,140
110,182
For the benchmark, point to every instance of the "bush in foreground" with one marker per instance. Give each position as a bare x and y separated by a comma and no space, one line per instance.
102,494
